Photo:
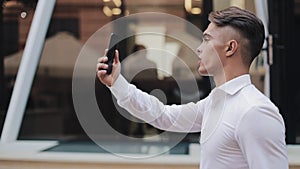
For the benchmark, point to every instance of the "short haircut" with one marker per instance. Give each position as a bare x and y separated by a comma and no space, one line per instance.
248,25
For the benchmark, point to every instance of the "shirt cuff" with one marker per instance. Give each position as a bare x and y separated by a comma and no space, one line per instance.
120,88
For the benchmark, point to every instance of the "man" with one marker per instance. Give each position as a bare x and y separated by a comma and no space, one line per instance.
240,127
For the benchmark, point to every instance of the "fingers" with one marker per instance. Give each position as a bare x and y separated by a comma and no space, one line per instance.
102,67
101,62
102,59
101,74
105,58
105,52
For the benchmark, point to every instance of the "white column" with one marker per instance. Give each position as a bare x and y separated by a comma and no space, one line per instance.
27,70
262,12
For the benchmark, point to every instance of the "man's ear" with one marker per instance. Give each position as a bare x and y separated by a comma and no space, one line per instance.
232,46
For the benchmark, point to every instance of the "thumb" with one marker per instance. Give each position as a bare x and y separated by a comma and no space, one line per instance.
116,60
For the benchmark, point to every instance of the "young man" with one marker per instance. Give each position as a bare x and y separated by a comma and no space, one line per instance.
240,127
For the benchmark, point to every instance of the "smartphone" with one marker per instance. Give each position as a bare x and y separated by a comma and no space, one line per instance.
113,46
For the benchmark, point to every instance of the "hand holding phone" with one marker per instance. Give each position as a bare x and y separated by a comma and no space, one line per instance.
111,52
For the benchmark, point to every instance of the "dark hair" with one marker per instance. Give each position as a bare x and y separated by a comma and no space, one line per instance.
249,26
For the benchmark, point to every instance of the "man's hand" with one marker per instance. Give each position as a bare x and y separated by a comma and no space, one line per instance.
102,66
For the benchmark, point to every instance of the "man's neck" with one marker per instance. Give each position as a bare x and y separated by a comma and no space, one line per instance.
223,77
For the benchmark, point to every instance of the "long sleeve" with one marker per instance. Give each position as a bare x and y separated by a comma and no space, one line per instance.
177,118
261,137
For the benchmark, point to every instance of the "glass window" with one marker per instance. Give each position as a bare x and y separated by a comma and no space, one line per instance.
50,112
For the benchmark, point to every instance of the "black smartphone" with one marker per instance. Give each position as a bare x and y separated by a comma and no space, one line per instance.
113,46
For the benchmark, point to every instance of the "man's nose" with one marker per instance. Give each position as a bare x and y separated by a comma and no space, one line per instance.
199,50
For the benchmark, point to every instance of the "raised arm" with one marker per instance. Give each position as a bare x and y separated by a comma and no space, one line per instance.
177,118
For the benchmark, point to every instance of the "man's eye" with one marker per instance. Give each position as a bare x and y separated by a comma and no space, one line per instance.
204,39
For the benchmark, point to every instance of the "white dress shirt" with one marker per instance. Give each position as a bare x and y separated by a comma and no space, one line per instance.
240,127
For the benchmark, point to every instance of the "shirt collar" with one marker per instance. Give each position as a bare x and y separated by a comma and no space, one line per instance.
233,86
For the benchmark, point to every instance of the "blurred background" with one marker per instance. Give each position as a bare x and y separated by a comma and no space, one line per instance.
50,113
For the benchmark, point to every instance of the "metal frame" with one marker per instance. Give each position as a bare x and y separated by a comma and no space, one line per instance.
262,12
27,70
